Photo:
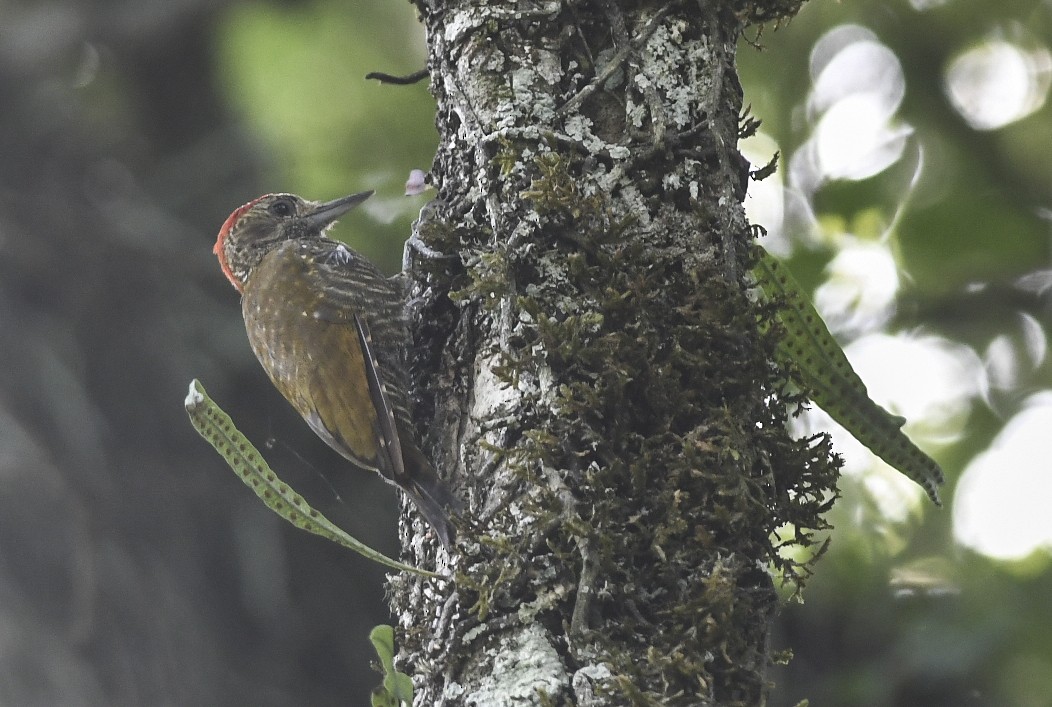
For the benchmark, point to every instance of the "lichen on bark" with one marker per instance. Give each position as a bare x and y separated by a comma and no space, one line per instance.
591,368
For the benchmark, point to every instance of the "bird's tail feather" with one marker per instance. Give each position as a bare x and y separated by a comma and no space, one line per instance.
432,497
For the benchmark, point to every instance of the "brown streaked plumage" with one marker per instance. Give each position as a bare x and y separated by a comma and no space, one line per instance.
328,328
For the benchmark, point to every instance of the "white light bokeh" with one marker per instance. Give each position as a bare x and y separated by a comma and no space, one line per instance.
1037,282
1003,504
830,44
931,381
998,82
858,86
858,138
862,67
1015,354
925,5
859,294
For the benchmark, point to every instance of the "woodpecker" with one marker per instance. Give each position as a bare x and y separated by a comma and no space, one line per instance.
329,330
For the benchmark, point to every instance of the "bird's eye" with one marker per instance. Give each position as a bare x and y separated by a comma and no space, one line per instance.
282,208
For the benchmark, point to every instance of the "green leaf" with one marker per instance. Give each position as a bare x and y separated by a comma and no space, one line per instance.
400,685
397,687
833,383
380,697
217,428
382,638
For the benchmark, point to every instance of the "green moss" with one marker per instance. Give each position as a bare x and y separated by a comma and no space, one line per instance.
555,189
755,11
661,446
488,281
507,156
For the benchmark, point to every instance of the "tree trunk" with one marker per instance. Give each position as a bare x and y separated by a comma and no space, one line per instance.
594,377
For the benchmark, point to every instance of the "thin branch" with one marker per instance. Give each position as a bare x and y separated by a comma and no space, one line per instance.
585,587
408,80
626,49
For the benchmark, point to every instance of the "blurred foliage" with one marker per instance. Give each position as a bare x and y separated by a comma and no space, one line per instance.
131,560
134,569
898,612
296,75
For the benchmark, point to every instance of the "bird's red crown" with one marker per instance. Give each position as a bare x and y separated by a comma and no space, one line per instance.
228,226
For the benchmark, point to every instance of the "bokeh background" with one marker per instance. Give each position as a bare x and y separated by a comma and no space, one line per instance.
914,197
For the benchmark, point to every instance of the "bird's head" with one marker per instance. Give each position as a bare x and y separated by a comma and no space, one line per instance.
253,230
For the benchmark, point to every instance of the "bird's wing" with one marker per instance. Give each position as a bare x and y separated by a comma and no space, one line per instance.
352,296
390,446
301,320
339,405
329,330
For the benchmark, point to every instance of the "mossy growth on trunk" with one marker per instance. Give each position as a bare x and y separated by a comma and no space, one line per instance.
593,372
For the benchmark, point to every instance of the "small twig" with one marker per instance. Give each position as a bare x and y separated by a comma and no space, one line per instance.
407,80
634,610
586,546
585,587
549,137
447,614
580,34
617,23
415,244
755,43
625,49
657,111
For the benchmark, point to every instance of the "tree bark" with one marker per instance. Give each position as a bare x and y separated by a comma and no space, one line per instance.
592,372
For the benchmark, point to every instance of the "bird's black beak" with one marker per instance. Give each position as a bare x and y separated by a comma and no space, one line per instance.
324,214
